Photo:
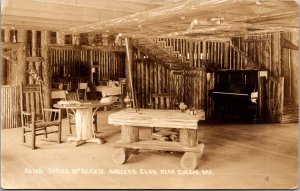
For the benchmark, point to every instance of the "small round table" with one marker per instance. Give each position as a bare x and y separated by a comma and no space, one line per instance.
84,113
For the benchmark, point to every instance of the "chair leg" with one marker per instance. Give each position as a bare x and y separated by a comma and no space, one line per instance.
33,140
95,120
70,126
24,137
46,133
59,134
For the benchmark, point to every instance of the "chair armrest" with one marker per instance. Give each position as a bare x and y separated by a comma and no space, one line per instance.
27,118
54,110
52,114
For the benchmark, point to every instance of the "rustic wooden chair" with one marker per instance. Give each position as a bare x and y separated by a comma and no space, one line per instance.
82,91
73,96
162,101
34,118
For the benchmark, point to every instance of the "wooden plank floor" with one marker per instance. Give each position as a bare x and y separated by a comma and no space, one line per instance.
235,156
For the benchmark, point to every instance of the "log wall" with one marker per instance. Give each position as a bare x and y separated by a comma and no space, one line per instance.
150,77
9,106
268,52
260,51
70,64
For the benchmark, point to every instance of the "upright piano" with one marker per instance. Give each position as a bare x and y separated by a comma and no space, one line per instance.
236,95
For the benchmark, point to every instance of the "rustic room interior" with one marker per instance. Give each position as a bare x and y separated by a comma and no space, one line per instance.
149,94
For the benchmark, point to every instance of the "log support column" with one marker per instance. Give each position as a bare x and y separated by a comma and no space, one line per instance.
21,68
6,65
60,38
46,71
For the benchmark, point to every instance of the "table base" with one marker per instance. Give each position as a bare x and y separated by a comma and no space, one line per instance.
78,142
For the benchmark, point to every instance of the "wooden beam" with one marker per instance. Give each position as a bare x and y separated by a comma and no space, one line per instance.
7,45
35,59
128,70
6,35
34,43
46,74
176,9
53,26
122,6
103,48
60,38
21,38
276,55
46,9
288,44
171,22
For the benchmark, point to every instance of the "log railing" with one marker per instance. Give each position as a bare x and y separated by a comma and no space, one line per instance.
10,106
239,60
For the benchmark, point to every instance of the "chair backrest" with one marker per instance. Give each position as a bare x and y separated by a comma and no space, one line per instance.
31,99
82,86
162,101
81,91
72,96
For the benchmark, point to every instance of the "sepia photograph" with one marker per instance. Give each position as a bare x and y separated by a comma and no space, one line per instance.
149,94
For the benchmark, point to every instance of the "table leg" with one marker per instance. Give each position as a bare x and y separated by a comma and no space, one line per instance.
129,134
84,128
188,137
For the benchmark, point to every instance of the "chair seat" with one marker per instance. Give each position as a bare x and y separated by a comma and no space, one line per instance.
47,123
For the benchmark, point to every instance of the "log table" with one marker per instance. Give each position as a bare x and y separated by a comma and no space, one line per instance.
130,120
85,111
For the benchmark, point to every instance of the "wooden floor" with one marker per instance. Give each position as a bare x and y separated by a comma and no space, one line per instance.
235,156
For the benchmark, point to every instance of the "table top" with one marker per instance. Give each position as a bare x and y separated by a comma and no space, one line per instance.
156,118
80,105
107,88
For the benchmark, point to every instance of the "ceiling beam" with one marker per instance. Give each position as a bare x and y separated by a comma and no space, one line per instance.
165,12
44,21
167,20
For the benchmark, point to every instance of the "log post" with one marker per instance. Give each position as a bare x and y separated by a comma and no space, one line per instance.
276,54
280,98
226,55
33,53
6,35
34,43
75,39
190,53
31,64
6,64
188,137
294,68
120,155
128,69
129,134
60,38
190,160
46,72
21,74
